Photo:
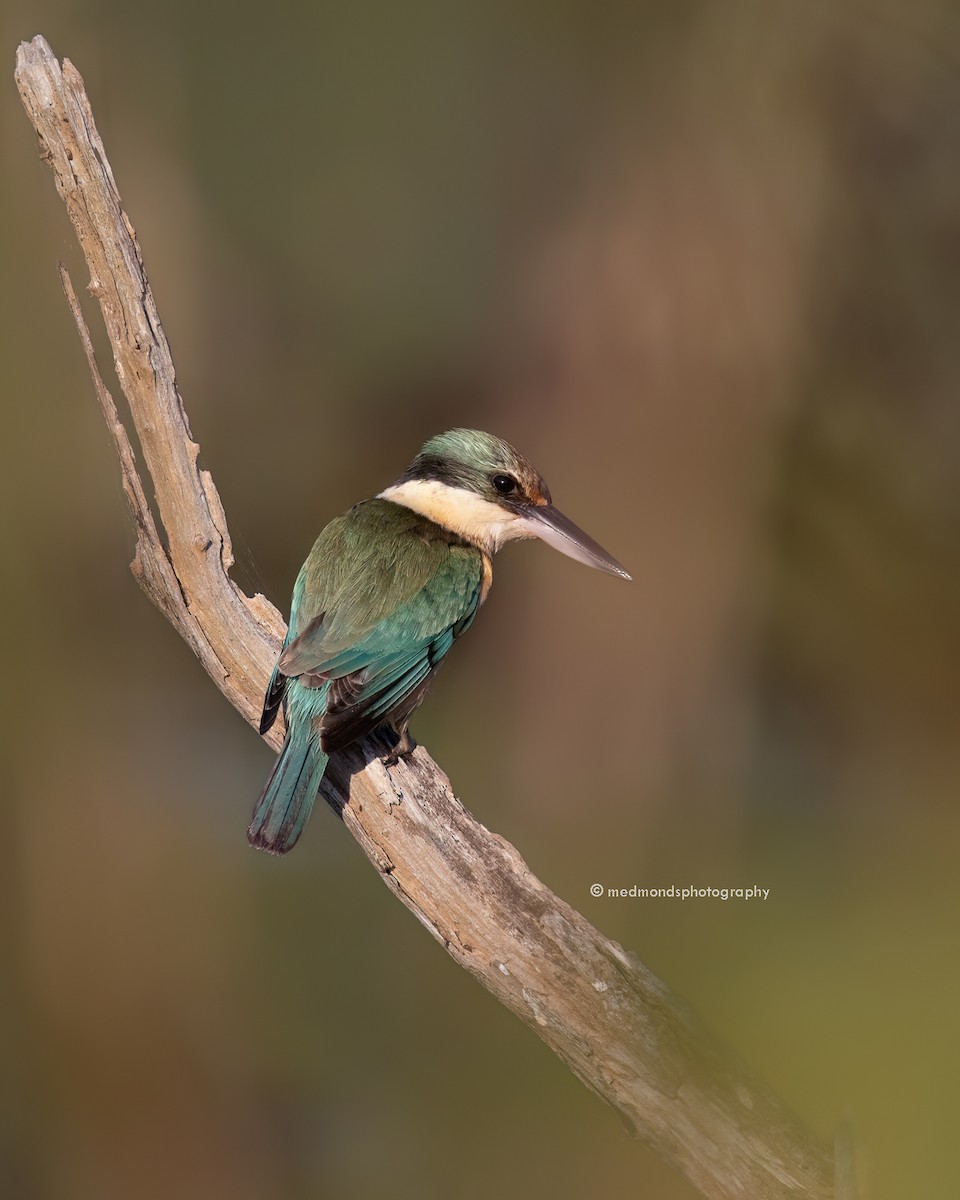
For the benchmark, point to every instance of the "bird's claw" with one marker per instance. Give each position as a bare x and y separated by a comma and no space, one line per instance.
404,746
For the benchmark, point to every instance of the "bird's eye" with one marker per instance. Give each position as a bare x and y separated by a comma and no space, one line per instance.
505,484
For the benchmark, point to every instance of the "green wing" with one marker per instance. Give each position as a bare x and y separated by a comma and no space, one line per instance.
378,604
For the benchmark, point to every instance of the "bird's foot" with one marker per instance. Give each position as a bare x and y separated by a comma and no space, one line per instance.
404,745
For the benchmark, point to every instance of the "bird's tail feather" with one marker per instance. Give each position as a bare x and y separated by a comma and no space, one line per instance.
286,801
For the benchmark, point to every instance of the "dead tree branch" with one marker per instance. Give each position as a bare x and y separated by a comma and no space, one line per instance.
617,1026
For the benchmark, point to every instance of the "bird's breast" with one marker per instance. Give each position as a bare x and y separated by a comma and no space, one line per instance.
486,579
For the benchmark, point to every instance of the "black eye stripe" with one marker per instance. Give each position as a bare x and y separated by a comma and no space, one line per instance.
505,484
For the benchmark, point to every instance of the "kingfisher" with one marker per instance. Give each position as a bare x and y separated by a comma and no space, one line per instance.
387,589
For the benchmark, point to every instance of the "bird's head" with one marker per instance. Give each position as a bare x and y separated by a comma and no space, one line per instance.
483,489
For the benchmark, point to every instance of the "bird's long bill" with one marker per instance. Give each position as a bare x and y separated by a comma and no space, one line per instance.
558,531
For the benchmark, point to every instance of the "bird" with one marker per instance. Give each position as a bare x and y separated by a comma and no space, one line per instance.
387,589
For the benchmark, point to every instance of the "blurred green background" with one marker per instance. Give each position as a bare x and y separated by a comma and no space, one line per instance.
701,261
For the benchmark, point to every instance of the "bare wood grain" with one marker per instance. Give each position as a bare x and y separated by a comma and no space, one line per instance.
598,1008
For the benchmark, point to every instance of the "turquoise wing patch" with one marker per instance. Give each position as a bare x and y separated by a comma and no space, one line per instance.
386,675
385,672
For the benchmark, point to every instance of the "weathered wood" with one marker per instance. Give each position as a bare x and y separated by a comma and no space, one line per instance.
599,1009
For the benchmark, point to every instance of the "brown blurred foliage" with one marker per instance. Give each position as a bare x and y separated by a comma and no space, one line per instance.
700,261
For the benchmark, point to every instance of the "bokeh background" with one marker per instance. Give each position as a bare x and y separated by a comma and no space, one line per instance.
701,261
